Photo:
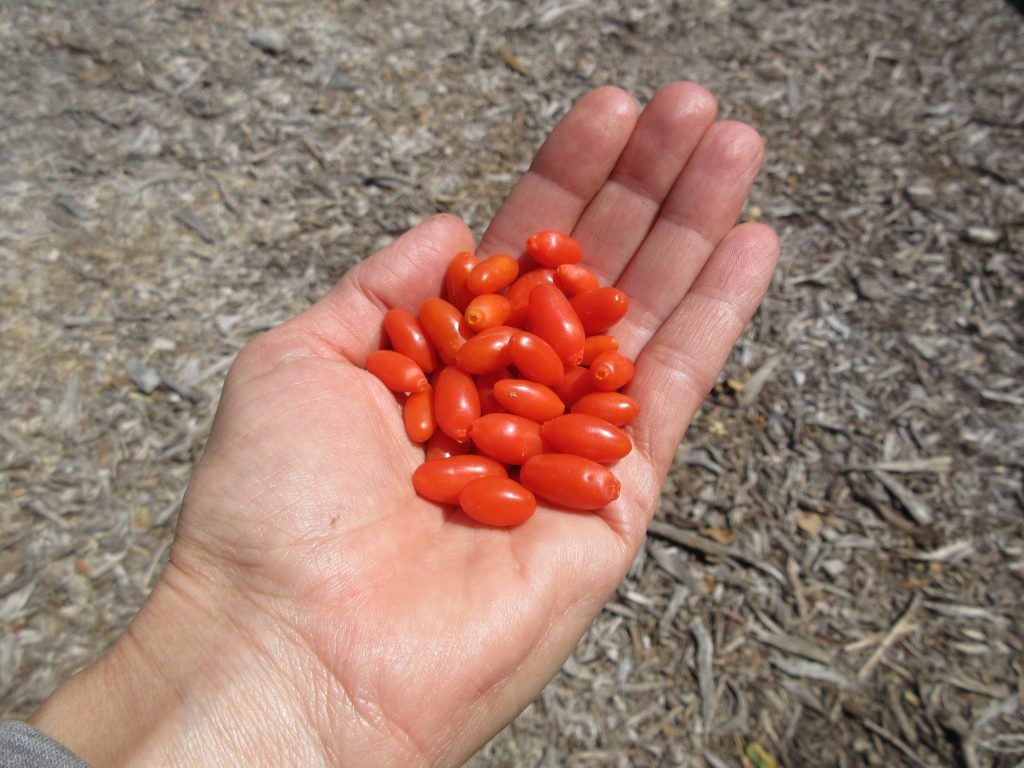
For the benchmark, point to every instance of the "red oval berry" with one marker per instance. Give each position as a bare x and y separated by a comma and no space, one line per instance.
445,326
528,398
614,407
486,352
486,311
418,415
408,336
442,480
600,309
554,320
575,279
588,436
570,481
497,501
595,345
398,372
535,359
610,371
552,248
455,277
440,446
493,274
506,437
456,403
519,294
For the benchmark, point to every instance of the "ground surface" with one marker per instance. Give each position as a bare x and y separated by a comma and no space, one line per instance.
836,571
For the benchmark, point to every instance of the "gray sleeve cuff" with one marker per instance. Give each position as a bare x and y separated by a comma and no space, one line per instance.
22,746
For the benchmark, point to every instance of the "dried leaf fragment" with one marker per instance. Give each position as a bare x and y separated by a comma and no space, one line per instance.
809,523
759,756
513,62
721,535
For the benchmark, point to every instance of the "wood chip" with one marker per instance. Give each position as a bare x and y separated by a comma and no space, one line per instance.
190,221
809,523
753,386
693,541
940,465
950,553
812,670
705,679
795,645
968,612
916,508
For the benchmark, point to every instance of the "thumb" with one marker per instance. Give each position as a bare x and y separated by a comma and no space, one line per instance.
401,275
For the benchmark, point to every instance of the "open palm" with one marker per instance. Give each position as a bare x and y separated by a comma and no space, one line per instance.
412,633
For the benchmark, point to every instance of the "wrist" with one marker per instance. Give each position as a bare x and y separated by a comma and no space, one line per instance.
189,683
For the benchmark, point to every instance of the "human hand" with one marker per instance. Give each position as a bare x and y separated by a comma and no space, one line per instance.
315,610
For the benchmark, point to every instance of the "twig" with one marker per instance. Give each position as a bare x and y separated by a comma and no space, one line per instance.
916,508
810,669
896,741
938,465
705,678
958,550
861,493
714,549
794,645
903,626
969,612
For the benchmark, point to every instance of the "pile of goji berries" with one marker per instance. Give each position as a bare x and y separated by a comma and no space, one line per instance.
508,353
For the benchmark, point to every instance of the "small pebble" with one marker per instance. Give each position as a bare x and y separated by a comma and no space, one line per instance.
921,192
871,288
268,40
983,235
224,323
145,378
160,344
834,567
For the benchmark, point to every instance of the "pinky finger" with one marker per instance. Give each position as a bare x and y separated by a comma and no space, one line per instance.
681,362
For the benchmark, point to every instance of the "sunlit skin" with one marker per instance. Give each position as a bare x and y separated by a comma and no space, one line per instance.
316,610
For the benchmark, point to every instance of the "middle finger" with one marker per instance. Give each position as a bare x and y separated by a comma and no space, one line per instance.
621,214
